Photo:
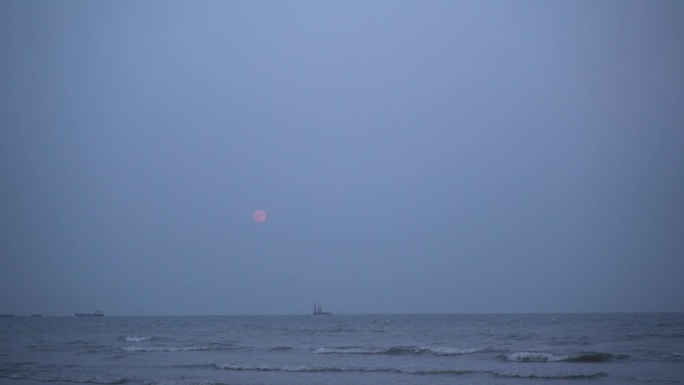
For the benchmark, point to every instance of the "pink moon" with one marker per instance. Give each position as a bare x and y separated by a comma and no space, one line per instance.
259,216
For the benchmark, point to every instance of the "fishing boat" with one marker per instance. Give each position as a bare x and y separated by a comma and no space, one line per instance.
96,313
318,309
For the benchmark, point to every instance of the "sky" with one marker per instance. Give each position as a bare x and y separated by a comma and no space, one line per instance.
410,156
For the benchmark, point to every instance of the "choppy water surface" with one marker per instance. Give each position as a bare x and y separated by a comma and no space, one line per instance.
337,349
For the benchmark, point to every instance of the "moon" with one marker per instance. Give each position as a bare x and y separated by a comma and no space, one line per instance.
259,216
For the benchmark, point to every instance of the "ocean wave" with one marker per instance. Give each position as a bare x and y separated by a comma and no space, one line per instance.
322,368
133,349
555,376
397,350
446,351
87,346
596,357
277,368
186,382
280,348
576,357
48,377
136,339
335,329
214,346
672,356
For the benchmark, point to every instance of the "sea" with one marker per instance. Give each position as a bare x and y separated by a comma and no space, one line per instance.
541,349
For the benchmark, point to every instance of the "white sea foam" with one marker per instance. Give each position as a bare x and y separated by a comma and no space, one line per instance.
137,339
556,375
335,368
535,357
166,348
446,351
672,356
347,350
580,357
278,368
397,350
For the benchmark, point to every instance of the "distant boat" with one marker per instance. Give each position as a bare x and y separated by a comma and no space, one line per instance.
96,313
318,309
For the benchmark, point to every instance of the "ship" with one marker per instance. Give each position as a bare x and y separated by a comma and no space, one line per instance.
318,309
96,313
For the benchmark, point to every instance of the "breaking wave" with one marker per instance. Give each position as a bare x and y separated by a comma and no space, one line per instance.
576,357
672,356
133,349
323,368
280,349
137,339
558,376
49,377
415,371
397,350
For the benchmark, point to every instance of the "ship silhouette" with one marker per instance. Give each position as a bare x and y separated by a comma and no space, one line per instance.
96,313
318,309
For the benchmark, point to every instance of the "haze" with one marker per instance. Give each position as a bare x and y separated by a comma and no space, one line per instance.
411,157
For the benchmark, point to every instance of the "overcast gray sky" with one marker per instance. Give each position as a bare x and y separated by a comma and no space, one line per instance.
411,157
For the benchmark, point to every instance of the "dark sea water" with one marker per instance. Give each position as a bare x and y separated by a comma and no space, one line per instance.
539,349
